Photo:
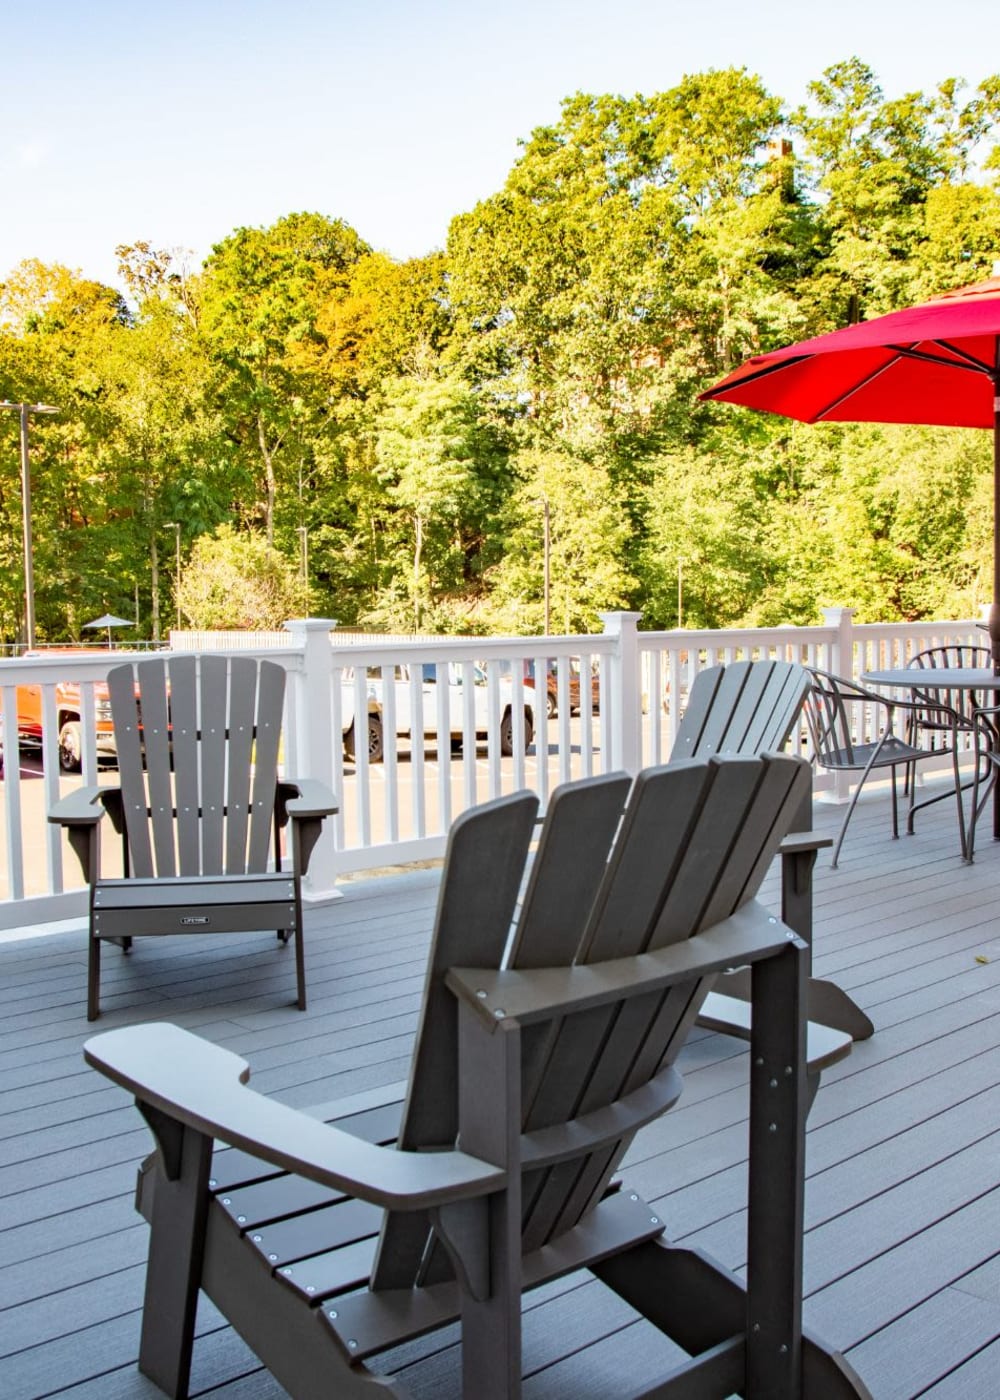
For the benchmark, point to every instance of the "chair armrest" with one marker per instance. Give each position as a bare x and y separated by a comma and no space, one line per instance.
203,1087
82,807
799,842
306,798
731,1016
529,995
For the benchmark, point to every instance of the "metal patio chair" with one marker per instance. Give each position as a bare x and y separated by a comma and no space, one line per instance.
840,712
927,727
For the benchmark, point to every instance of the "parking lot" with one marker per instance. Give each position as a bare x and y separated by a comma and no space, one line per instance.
385,815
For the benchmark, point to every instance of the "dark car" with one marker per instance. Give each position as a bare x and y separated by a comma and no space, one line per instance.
552,686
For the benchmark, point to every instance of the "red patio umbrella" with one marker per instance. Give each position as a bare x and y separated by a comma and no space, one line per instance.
938,363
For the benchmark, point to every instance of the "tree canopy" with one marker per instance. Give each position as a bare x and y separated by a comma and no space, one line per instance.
408,427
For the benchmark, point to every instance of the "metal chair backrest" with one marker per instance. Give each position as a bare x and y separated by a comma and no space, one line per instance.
197,741
832,715
962,702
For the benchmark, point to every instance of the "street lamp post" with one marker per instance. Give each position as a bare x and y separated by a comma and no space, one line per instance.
173,525
22,410
547,564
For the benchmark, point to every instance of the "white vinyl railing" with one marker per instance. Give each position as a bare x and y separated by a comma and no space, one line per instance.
459,720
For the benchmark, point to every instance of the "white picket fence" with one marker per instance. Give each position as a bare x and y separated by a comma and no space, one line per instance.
399,810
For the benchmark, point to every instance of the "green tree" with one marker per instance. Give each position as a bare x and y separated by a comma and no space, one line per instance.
237,581
875,164
588,527
258,302
444,471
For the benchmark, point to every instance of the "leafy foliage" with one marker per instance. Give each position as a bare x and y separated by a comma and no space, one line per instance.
234,581
416,422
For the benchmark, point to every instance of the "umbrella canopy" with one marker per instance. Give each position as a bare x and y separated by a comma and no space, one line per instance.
936,363
107,621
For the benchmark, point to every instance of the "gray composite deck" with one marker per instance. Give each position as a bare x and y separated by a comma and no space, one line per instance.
902,1259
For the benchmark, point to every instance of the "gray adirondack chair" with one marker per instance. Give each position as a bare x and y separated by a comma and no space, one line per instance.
531,1075
747,707
200,809
753,707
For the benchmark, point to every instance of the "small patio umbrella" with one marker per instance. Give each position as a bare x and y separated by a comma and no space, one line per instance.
108,620
936,363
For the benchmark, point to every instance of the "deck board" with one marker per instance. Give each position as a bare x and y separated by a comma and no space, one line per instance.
902,1256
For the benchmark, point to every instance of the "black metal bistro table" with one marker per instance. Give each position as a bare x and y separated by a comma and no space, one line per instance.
973,678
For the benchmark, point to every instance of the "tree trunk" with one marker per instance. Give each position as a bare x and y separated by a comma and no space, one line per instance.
154,568
418,549
265,453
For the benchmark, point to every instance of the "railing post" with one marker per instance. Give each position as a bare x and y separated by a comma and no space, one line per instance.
312,753
842,647
841,664
626,691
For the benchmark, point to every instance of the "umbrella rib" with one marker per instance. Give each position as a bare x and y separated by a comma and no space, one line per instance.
856,388
965,362
963,359
761,373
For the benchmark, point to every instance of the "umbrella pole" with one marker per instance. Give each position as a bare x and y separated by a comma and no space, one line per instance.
995,608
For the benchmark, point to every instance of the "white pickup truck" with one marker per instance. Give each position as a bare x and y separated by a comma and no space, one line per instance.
403,706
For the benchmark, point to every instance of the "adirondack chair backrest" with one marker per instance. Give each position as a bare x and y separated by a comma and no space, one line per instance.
692,846
747,707
197,742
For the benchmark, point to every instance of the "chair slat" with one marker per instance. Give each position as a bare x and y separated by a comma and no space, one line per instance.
153,701
212,743
484,867
267,735
128,739
579,827
700,704
183,682
242,708
717,825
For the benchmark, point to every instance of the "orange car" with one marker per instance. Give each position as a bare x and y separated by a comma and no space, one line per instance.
68,717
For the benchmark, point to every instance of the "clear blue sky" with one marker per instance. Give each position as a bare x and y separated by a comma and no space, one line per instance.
181,121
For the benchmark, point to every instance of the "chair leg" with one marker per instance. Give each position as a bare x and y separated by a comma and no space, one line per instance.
176,1245
857,793
961,806
844,824
978,805
300,950
93,977
777,1139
